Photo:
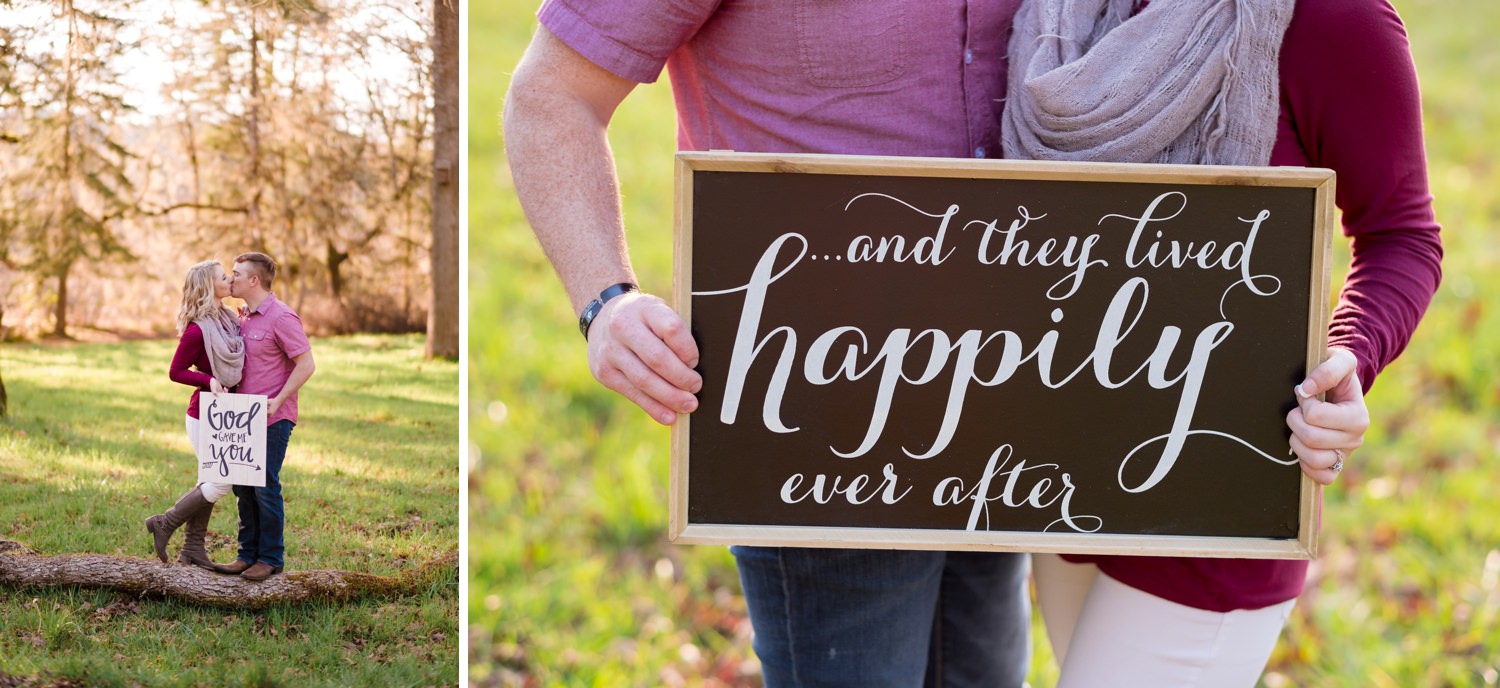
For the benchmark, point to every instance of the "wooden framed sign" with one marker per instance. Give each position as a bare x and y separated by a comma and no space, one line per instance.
232,439
948,354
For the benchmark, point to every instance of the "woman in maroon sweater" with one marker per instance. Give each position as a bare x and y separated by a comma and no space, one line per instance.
210,342
1341,93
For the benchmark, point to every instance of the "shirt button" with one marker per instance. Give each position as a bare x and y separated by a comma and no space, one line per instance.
979,152
968,56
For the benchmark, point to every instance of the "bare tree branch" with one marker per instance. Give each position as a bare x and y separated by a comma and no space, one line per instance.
242,210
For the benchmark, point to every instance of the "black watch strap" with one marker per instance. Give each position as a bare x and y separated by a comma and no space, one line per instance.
591,311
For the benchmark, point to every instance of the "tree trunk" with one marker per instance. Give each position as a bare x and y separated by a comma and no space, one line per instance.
22,568
4,398
335,259
60,311
257,239
443,315
192,149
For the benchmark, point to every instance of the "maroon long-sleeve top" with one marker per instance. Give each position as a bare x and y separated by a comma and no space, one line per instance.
1349,102
192,353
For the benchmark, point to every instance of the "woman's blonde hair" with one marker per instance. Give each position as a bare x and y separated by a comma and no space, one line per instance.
198,300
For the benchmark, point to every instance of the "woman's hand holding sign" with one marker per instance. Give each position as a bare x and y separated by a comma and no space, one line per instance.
641,348
1325,432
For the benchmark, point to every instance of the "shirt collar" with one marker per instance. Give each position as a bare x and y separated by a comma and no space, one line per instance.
266,305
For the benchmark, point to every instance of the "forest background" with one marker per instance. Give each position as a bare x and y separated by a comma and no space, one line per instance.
572,581
139,138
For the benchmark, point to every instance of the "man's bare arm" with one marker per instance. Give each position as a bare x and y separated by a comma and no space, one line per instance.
556,117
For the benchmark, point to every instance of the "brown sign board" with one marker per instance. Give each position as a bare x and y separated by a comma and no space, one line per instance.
923,353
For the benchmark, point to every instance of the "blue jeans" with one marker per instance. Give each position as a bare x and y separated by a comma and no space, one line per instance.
845,617
262,514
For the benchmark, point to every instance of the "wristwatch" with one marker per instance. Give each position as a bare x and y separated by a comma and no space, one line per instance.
586,318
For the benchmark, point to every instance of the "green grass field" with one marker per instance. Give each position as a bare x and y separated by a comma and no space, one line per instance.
95,443
573,583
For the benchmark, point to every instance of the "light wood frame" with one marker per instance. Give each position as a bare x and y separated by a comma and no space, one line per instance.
1304,546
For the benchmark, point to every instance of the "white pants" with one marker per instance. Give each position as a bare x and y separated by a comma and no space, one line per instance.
1106,633
211,491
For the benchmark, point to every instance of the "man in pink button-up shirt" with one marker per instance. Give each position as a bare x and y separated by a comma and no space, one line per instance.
278,360
881,77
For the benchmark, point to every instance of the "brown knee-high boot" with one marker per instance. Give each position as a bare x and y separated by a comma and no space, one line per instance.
193,551
161,526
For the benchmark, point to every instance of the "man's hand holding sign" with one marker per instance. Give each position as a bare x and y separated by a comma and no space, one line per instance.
641,348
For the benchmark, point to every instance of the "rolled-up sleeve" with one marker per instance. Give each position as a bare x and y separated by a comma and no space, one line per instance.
631,39
290,336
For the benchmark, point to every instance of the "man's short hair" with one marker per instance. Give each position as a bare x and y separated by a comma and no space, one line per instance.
265,267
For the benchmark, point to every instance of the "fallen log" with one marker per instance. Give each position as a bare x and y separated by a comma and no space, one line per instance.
22,568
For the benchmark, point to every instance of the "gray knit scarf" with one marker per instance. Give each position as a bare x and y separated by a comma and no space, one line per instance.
226,349
1183,81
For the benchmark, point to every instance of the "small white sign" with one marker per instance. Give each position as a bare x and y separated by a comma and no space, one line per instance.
232,439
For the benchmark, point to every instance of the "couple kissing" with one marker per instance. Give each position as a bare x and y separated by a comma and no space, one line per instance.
262,349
